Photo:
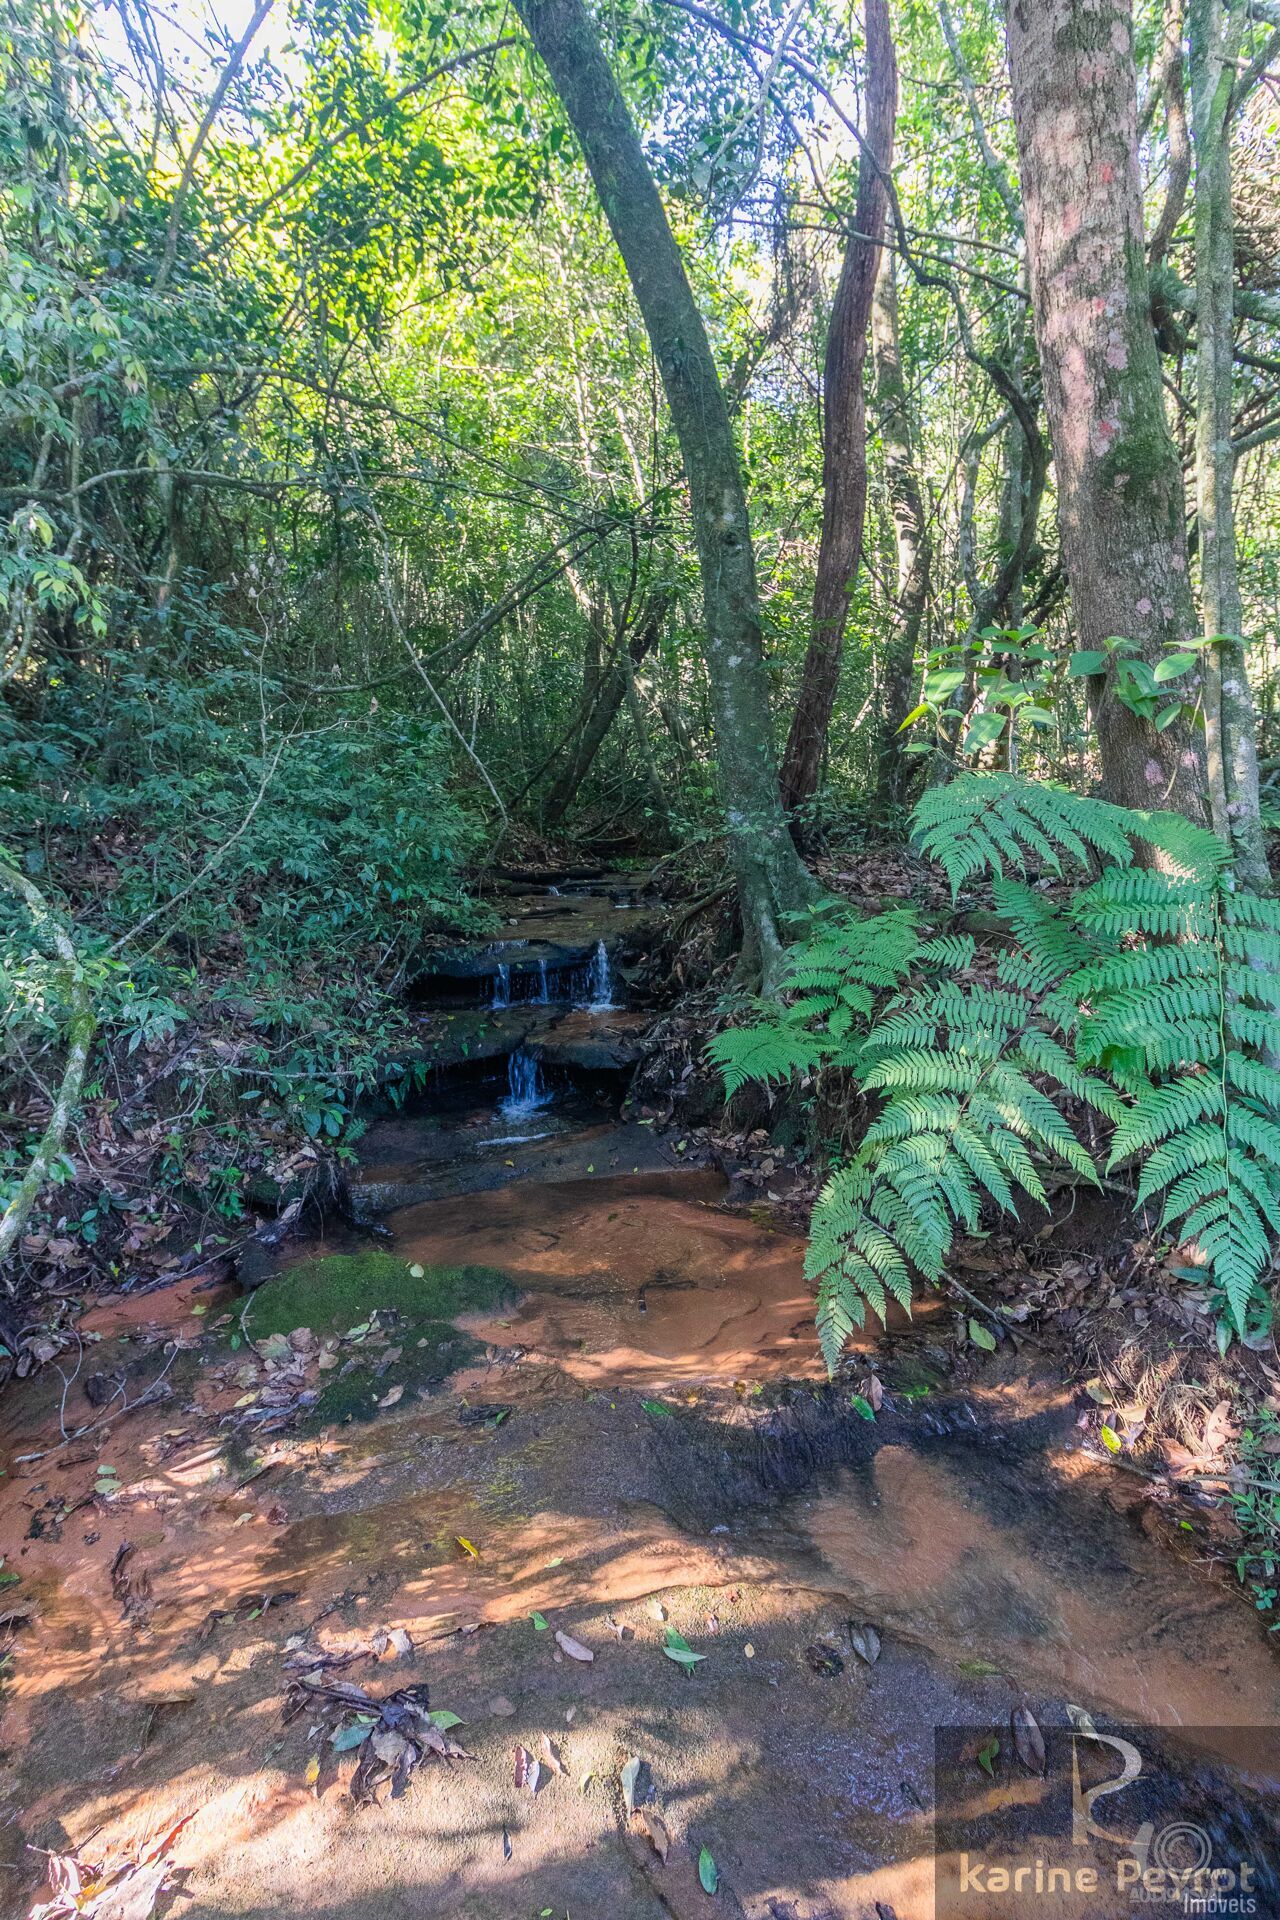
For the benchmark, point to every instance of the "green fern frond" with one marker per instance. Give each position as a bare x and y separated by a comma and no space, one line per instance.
985,822
766,1052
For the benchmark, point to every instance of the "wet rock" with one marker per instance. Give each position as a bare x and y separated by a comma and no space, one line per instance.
257,1264
593,1042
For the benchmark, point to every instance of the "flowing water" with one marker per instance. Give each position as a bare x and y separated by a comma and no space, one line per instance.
639,1439
599,982
527,1092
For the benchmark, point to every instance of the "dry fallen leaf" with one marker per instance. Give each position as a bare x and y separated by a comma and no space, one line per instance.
656,1828
312,1773
865,1642
1028,1740
574,1648
550,1755
630,1780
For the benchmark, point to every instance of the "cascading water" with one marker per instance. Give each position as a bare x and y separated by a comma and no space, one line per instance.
543,996
599,981
527,1092
501,986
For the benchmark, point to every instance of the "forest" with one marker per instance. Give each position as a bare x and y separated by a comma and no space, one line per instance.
640,758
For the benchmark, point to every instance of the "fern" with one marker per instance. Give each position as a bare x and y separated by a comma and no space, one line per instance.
965,1121
1151,997
1182,1026
987,823
829,985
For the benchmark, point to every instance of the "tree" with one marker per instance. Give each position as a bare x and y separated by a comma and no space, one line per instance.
771,879
910,530
1231,747
1119,479
844,426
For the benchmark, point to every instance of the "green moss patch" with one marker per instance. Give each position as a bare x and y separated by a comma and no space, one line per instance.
385,1302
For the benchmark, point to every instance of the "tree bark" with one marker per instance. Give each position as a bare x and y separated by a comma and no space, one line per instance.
910,532
1169,79
604,690
1119,480
771,879
1231,747
844,426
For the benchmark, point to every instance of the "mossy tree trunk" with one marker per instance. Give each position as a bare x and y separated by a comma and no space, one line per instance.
1119,480
771,879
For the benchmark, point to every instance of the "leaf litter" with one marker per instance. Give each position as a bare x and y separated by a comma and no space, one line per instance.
393,1735
121,1889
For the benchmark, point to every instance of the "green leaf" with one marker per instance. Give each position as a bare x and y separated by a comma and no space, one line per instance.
658,1410
984,730
708,1872
342,1739
539,1622
981,1336
988,1755
442,1718
1167,717
862,1405
1081,664
678,1649
916,713
1110,1439
1173,666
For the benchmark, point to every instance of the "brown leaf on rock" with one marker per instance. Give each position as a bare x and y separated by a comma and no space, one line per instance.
865,1642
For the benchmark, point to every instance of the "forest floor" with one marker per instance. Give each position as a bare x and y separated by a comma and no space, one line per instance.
550,1454
635,1443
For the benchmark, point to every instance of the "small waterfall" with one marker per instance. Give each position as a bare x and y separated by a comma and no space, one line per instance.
554,892
599,981
543,997
527,1092
501,986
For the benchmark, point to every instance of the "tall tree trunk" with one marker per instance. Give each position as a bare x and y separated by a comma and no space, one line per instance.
603,692
1231,746
1168,77
771,879
1120,498
844,425
587,735
910,532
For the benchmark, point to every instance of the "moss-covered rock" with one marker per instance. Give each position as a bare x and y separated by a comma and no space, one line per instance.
414,1306
343,1290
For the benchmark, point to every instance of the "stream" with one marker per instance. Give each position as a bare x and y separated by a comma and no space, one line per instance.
617,1428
